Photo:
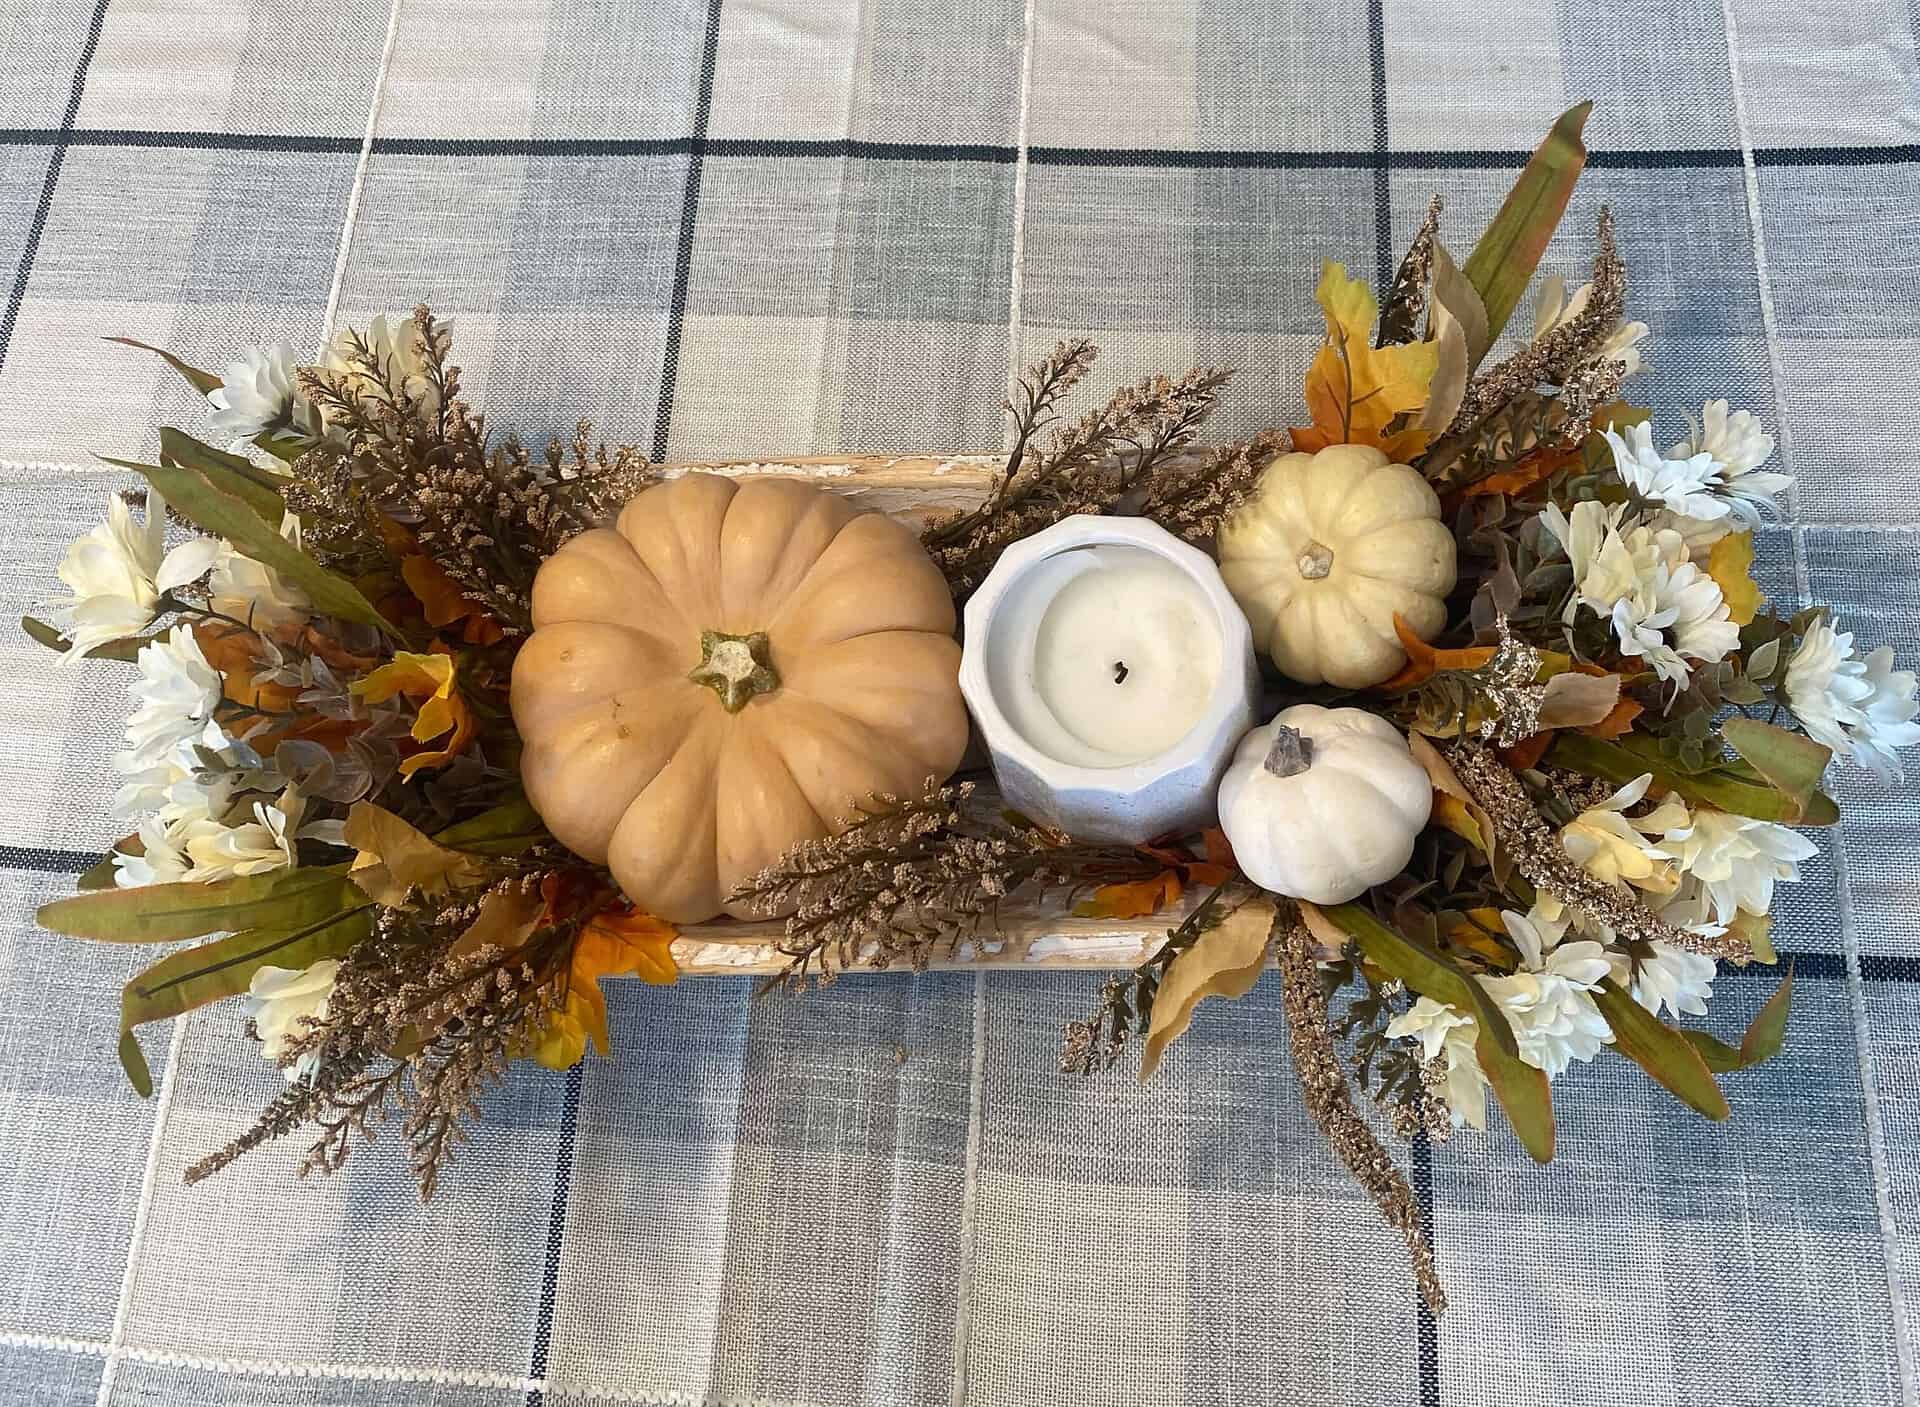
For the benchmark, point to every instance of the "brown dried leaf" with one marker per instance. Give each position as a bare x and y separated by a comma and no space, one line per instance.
1224,962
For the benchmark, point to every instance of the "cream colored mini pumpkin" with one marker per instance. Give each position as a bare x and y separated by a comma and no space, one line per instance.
1325,551
723,674
1323,803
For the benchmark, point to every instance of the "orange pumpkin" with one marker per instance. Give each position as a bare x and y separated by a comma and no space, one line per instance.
725,673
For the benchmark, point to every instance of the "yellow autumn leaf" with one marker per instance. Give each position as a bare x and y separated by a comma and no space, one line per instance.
626,944
1730,564
394,857
1354,390
613,943
1136,899
582,1018
430,680
1225,961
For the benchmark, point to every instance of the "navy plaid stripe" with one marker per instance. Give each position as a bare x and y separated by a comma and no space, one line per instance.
689,220
1174,158
61,138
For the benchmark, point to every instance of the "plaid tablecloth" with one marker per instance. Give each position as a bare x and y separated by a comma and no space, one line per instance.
759,225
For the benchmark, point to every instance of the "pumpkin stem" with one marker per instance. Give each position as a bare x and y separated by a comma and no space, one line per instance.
1291,753
736,667
1316,560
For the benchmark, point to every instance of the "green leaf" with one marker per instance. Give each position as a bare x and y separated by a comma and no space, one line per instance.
508,829
180,982
1790,761
166,913
125,650
1502,263
1764,1037
1664,1053
225,514
1521,1089
233,473
99,875
201,381
1730,786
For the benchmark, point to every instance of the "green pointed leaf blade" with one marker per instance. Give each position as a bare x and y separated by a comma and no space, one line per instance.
184,981
134,1061
1664,1053
1766,1034
1733,787
224,514
201,381
508,829
1502,263
123,651
1792,762
167,913
1521,1089
231,473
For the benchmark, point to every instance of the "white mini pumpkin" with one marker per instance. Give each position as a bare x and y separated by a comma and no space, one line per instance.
1322,803
1326,550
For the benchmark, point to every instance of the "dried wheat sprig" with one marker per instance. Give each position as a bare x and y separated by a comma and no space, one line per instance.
1323,1086
1407,299
1551,357
407,448
1538,854
906,879
1096,463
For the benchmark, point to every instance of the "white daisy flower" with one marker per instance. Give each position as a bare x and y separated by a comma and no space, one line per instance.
1618,849
1555,309
261,395
1861,708
175,694
1674,979
1686,486
1738,447
254,592
1735,860
252,847
1446,1034
1548,1002
280,1000
175,784
162,860
1641,581
120,570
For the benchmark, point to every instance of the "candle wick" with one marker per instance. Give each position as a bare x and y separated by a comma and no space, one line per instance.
1120,671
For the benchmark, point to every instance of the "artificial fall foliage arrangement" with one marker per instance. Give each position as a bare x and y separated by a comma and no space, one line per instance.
433,732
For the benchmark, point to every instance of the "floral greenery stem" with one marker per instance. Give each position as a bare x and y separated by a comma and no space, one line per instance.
1553,356
1125,1007
417,1029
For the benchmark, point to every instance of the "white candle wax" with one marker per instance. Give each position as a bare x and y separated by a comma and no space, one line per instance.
1117,656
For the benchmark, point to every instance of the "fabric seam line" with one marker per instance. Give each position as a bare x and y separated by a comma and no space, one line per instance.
351,218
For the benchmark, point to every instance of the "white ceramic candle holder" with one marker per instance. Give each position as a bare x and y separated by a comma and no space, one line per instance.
1102,761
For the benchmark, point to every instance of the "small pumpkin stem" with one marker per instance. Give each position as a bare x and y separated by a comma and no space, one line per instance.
1291,753
736,667
1315,561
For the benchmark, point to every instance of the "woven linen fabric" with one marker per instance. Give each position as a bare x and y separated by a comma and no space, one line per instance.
727,227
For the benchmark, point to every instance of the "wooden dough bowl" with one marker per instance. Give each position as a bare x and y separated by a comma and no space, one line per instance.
913,488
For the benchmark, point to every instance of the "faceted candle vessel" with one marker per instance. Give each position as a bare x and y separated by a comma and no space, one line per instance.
1111,674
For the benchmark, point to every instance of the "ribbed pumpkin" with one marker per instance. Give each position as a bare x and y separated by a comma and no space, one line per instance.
1323,554
723,674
